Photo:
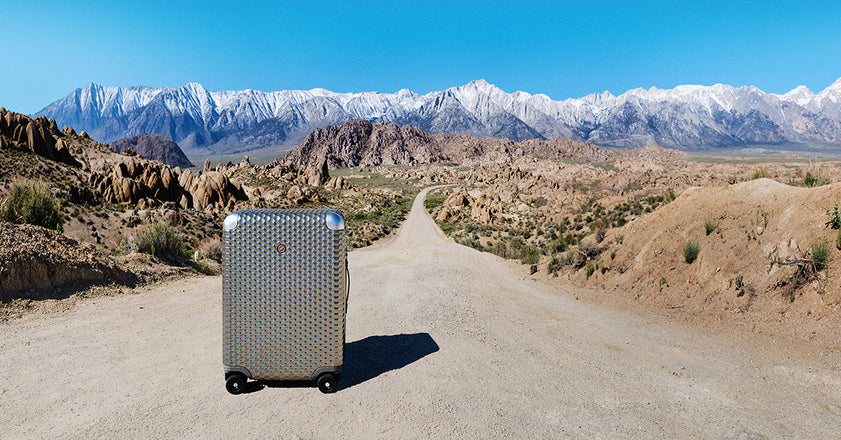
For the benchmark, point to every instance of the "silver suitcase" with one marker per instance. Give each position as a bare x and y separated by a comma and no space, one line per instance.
284,296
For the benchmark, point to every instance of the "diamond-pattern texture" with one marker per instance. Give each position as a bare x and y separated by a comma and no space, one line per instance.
283,312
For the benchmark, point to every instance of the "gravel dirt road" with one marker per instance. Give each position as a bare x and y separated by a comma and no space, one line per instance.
443,342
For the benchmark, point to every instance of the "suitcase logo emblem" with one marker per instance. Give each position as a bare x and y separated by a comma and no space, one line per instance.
281,248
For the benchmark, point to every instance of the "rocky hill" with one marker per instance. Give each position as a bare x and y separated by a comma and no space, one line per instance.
688,117
359,142
156,147
103,200
757,240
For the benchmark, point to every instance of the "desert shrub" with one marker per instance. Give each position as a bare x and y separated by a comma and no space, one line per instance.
447,228
709,225
32,203
834,215
613,255
760,173
530,254
540,201
691,249
738,282
820,254
558,246
211,248
161,240
619,238
814,180
553,265
838,240
669,195
589,269
600,233
569,257
499,248
432,202
533,269
473,242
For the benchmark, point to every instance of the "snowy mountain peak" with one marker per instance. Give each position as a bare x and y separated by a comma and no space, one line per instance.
801,95
686,116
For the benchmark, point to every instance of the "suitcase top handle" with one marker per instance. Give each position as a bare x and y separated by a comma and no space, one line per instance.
332,218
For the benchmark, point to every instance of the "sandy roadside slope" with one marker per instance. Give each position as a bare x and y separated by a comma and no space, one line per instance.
443,341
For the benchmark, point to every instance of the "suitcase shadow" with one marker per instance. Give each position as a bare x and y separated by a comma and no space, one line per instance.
368,358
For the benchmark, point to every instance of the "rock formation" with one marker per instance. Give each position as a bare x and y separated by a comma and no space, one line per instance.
40,136
134,180
475,205
361,143
154,147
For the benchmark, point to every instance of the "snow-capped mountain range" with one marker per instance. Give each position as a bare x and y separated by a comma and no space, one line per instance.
687,117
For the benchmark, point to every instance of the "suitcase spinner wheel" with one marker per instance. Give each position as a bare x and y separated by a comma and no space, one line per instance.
235,383
328,383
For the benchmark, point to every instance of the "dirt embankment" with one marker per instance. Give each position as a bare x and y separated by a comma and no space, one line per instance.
757,240
37,262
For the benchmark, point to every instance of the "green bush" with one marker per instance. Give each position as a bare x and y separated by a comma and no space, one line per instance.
530,254
432,202
760,173
834,215
589,269
709,225
32,203
820,254
691,250
814,180
669,196
162,241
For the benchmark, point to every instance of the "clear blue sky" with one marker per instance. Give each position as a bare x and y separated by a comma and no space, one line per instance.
563,49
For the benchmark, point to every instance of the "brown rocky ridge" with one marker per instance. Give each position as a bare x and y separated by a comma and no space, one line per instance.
358,142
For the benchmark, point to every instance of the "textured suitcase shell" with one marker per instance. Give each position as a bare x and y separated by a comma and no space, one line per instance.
284,293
